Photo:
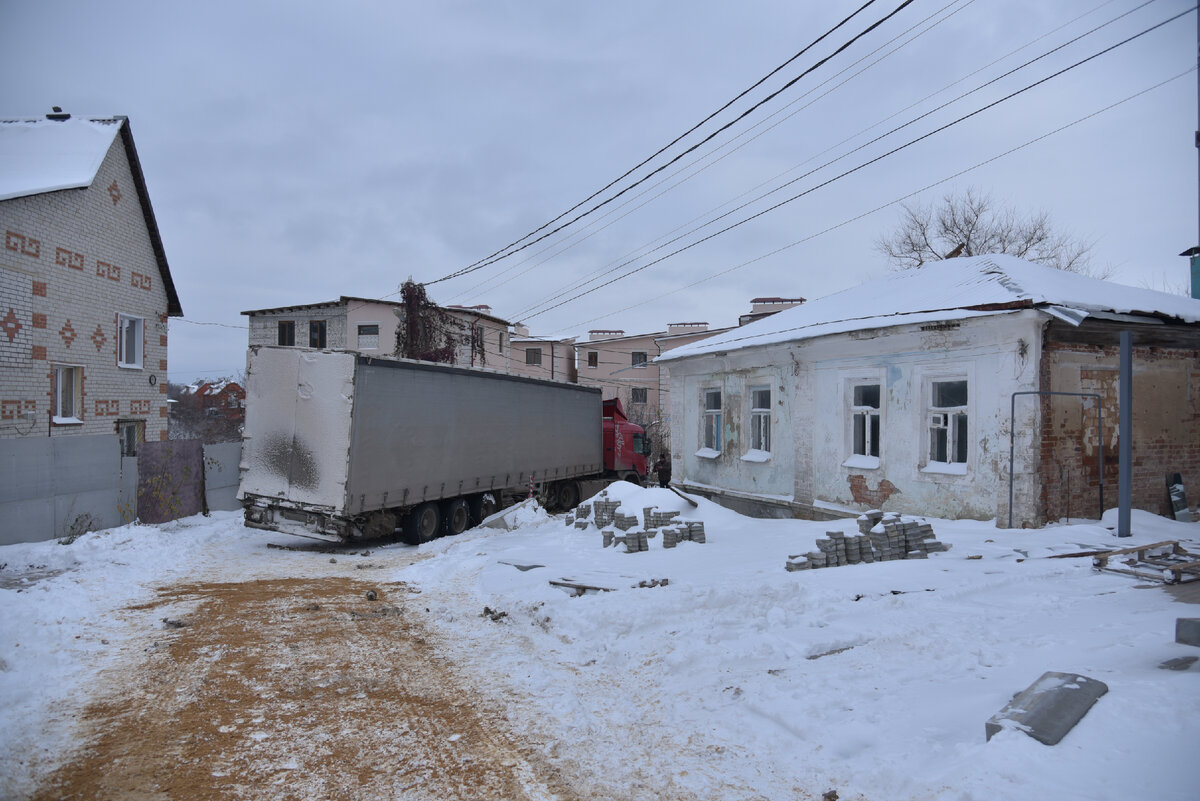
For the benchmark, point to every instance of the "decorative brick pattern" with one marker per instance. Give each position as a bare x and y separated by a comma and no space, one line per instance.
108,408
25,245
110,271
67,332
162,411
39,352
98,338
12,409
114,192
162,364
68,258
39,289
39,320
11,325
139,406
140,281
162,341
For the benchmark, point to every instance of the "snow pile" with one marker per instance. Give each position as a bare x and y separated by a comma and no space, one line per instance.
739,679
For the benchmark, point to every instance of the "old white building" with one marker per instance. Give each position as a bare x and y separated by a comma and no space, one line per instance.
899,394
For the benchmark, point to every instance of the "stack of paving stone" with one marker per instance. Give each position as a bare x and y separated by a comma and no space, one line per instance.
605,509
624,522
883,538
686,531
656,519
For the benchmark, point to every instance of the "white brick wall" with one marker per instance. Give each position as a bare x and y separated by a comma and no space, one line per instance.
95,260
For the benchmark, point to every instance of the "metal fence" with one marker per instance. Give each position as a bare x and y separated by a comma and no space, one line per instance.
57,487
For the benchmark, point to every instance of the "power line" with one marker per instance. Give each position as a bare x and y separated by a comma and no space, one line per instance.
502,254
867,163
890,203
533,310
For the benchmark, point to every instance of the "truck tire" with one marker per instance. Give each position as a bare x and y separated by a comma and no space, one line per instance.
456,517
482,506
423,524
568,495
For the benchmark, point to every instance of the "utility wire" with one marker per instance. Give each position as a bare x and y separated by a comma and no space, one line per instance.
889,204
869,162
503,254
833,161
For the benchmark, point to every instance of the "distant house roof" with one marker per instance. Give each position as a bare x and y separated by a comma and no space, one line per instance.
346,300
953,289
51,154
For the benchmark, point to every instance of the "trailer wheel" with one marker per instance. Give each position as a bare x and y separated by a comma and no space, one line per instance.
482,506
423,523
568,495
455,516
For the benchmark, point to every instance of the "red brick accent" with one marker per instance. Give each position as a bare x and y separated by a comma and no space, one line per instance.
162,388
162,340
39,352
114,192
162,435
25,245
68,258
875,498
162,365
140,281
108,408
11,325
67,332
98,338
162,411
39,320
139,407
39,289
11,409
110,271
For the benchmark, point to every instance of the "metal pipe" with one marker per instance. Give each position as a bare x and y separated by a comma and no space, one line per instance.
1125,432
1012,425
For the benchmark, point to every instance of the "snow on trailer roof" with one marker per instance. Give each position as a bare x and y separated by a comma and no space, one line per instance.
43,155
953,289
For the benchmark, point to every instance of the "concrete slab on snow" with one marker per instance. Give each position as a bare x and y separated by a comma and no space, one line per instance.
1048,708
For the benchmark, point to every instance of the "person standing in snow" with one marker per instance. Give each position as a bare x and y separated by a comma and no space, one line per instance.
663,468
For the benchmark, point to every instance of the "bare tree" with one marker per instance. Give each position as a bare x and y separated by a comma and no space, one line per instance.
973,225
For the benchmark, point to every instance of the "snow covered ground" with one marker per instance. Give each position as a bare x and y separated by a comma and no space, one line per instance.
735,680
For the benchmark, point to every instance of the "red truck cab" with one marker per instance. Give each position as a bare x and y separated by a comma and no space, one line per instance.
625,444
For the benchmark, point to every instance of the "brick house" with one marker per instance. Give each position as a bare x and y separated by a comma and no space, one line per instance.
369,326
85,290
903,393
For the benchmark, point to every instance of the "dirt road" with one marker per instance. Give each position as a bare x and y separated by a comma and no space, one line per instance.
291,690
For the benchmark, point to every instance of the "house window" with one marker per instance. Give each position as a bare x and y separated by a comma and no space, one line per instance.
368,336
129,341
638,358
533,355
593,359
131,433
948,429
712,419
760,419
68,394
287,332
316,334
637,395
864,420
503,343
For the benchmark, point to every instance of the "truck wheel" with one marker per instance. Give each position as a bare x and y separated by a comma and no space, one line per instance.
568,495
455,516
482,506
423,524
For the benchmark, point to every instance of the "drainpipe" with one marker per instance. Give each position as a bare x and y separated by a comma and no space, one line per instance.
1125,446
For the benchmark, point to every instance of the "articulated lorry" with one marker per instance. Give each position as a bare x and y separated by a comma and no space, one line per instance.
342,446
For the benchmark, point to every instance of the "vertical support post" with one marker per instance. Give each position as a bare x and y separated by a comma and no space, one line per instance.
1125,437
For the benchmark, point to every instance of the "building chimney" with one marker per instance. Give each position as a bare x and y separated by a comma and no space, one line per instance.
600,333
686,328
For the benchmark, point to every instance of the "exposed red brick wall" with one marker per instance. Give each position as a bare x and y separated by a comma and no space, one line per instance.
875,498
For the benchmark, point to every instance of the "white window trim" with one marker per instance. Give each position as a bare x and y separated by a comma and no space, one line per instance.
358,336
140,341
754,453
76,395
926,465
849,380
706,413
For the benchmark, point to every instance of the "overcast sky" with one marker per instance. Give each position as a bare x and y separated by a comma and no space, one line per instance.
299,151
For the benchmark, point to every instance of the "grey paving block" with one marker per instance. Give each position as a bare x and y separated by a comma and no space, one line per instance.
1187,630
1048,708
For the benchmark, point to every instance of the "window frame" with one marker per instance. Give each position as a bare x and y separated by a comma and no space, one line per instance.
955,422
760,418
285,330
124,339
138,427
711,437
633,395
56,395
358,335
866,417
641,363
533,357
318,334
593,359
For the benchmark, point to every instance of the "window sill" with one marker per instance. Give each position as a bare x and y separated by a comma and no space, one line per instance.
129,366
707,453
66,421
754,455
946,468
861,462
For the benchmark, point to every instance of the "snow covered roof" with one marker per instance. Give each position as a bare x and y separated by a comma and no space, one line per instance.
953,289
42,155
49,154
